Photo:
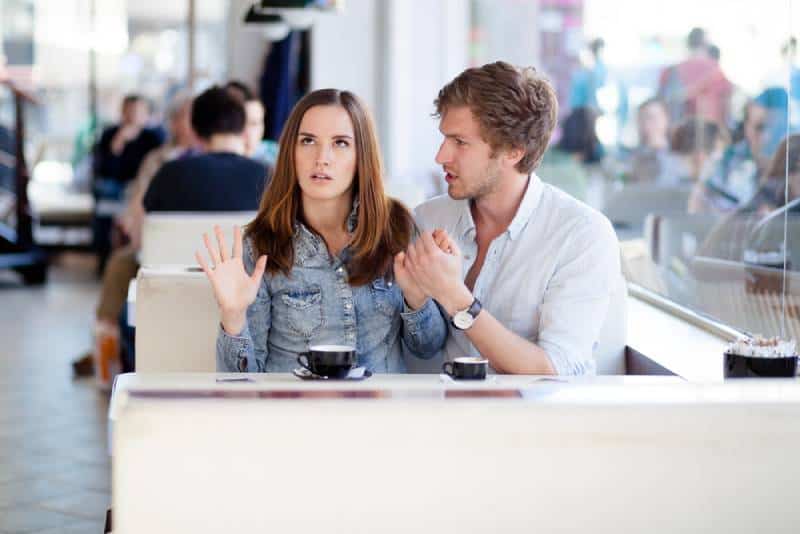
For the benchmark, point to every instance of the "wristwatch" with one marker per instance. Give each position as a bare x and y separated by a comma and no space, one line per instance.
463,319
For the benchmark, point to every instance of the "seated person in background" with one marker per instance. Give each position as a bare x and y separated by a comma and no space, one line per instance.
652,161
732,235
699,143
221,179
122,148
258,148
326,236
123,263
116,160
564,165
534,291
182,142
742,162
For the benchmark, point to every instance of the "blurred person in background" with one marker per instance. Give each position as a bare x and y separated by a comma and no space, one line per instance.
732,235
182,142
123,263
652,161
699,143
117,157
737,172
256,147
593,86
220,179
696,86
566,164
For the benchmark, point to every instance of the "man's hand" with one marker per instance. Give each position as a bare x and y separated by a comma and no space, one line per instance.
436,272
125,134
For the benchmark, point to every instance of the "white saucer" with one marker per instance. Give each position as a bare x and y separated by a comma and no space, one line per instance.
356,373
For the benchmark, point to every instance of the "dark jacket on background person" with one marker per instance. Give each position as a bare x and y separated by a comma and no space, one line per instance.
123,168
217,181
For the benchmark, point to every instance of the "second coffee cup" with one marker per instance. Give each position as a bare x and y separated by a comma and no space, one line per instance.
332,361
466,368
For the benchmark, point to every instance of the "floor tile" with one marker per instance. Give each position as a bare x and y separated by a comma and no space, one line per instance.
54,466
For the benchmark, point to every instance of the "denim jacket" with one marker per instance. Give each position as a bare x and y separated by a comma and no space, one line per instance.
316,305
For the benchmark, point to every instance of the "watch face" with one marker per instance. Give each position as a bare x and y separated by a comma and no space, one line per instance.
463,320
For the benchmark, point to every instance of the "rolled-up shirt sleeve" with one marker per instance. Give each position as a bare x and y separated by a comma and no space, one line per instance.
577,297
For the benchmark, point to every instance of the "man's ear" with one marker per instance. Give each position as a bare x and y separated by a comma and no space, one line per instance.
513,156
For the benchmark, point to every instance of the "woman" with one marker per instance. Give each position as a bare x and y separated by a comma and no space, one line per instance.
326,236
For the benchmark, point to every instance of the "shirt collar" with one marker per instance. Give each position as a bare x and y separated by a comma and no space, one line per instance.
465,227
533,193
309,245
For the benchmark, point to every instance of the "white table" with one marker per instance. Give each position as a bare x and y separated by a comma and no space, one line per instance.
410,453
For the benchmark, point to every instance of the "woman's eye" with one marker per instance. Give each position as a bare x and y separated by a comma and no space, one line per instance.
306,140
342,143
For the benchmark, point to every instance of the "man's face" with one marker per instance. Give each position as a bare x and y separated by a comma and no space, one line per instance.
254,127
653,124
471,171
135,113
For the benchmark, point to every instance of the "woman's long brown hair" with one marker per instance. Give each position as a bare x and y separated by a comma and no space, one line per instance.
384,226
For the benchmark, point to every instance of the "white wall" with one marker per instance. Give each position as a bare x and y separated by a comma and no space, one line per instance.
426,48
346,48
396,55
247,49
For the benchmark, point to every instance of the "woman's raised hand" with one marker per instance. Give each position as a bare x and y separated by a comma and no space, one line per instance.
234,289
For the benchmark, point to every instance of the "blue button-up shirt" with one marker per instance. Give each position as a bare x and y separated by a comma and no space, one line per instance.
316,305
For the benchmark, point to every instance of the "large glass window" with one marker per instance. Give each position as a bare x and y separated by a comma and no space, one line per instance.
678,122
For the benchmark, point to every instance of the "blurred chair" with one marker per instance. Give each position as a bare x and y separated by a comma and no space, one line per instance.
628,207
177,320
171,238
676,236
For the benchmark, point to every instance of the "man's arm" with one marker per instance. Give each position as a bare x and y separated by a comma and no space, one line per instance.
571,314
507,352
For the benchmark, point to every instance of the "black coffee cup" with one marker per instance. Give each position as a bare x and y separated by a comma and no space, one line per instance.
466,368
332,361
738,366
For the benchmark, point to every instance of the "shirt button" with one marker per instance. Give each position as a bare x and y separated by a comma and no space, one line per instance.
340,270
347,306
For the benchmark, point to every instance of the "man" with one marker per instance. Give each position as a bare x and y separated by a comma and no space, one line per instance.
539,266
696,86
121,148
123,263
256,147
117,157
222,179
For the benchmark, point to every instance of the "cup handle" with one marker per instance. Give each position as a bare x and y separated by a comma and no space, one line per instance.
302,359
445,368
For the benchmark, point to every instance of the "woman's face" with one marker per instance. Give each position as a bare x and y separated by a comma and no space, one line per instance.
325,154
